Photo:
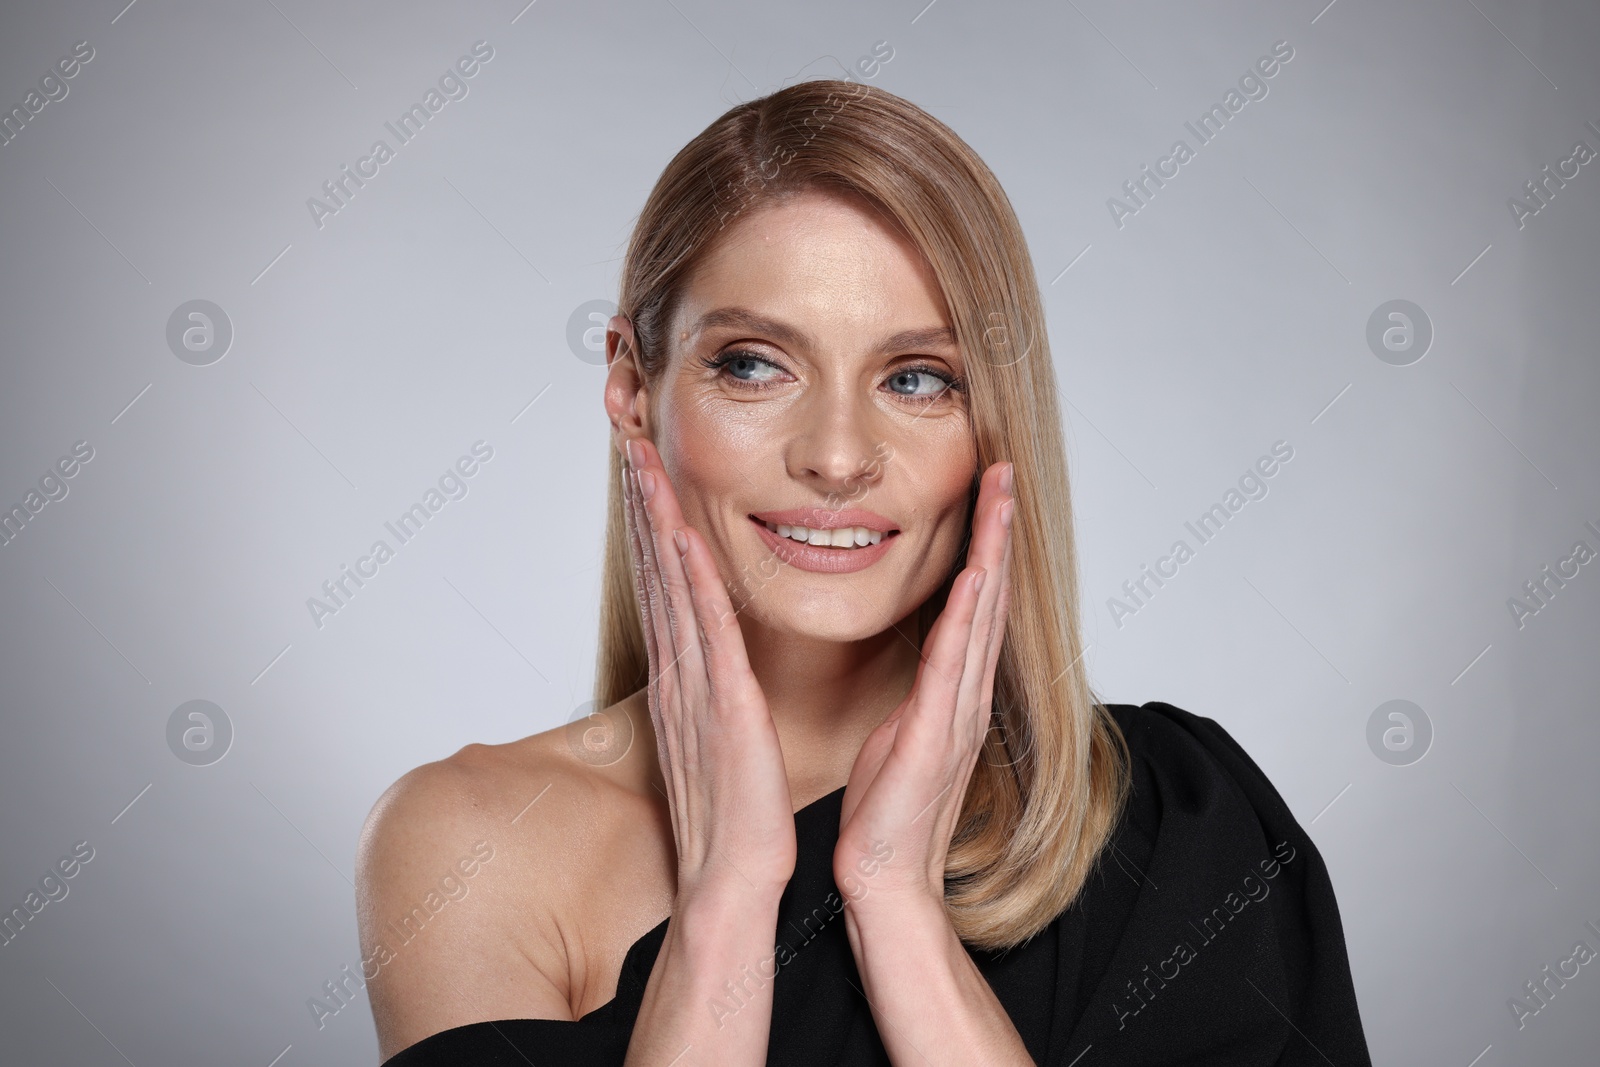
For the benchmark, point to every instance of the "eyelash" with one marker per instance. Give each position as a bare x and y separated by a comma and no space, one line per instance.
954,384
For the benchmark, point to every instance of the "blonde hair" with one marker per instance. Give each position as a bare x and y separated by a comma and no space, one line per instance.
1051,781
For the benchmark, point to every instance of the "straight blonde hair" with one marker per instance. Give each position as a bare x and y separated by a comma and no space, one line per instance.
1053,775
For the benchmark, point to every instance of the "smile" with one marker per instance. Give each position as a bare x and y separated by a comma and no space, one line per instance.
836,550
840,537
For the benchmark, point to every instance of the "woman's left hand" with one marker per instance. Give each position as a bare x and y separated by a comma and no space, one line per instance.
906,790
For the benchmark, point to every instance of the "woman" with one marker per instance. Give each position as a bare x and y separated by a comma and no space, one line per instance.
851,798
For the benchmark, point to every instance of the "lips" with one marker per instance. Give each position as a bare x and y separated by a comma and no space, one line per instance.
815,518
823,559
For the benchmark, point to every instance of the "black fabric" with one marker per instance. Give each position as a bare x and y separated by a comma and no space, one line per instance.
1208,935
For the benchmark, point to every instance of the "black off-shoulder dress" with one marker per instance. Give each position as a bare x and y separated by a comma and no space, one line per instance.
1208,935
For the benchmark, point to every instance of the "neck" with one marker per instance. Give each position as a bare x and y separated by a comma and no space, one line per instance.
827,696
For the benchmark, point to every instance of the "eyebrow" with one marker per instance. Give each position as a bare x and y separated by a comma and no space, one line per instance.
744,318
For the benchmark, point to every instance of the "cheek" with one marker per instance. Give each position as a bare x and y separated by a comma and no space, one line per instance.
952,488
701,428
940,474
709,464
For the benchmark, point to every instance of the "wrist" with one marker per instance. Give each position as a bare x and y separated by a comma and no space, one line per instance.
878,874
890,932
718,930
707,908
906,909
723,939
725,900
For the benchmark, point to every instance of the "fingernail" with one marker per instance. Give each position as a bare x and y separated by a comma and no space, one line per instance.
634,457
1006,476
1005,512
681,541
647,484
977,583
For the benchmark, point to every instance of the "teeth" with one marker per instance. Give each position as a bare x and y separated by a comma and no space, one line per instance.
843,537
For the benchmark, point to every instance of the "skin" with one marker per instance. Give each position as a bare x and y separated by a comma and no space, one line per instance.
770,687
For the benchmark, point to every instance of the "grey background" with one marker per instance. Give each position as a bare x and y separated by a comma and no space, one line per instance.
433,311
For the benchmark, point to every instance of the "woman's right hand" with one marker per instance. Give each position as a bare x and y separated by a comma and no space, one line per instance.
726,784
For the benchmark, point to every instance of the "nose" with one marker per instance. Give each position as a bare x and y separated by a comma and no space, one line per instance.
836,443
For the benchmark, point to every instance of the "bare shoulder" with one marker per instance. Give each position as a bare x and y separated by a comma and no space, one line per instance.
486,883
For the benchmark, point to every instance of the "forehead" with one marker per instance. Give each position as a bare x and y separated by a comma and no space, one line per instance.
826,262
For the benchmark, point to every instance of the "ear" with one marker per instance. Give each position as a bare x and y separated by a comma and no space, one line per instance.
627,397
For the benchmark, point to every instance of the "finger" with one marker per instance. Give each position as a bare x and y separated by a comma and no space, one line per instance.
641,563
660,632
1002,606
665,699
991,550
938,680
666,517
665,634
663,664
988,536
1007,517
727,664
995,641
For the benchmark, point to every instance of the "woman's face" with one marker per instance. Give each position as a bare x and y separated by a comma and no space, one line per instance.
833,393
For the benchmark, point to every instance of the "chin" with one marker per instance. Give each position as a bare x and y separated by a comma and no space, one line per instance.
827,620
823,608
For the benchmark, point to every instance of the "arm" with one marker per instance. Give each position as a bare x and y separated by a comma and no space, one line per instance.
709,998
930,1002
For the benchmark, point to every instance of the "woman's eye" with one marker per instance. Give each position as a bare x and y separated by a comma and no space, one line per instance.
931,384
747,367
